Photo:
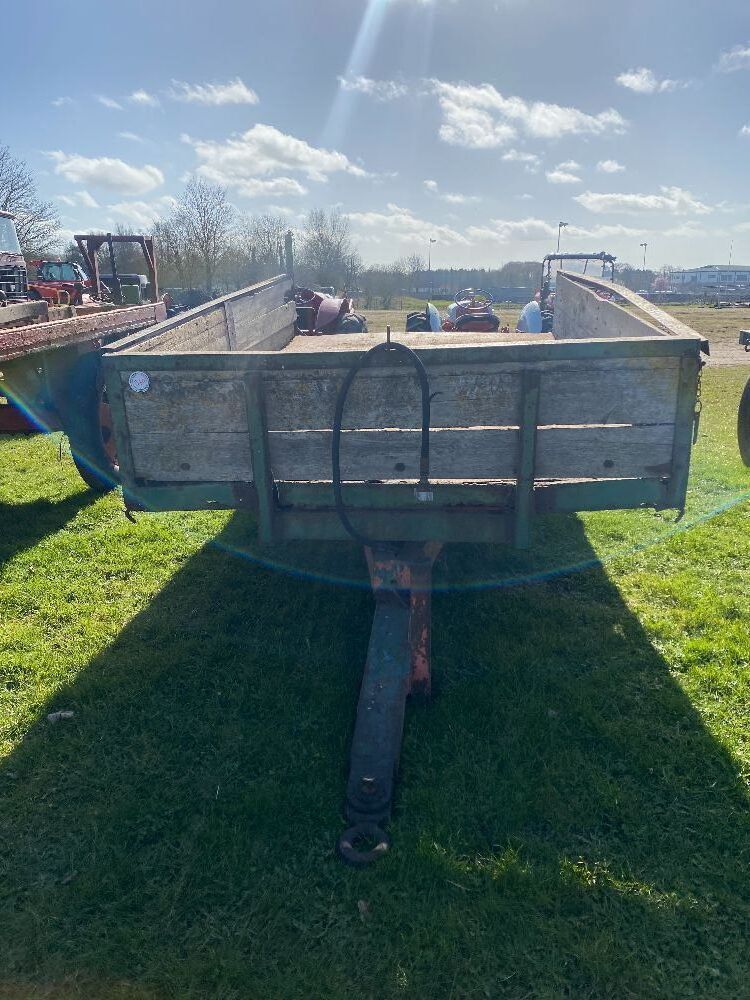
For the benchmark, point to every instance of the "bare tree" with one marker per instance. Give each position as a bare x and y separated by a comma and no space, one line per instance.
414,266
36,220
262,237
327,254
200,228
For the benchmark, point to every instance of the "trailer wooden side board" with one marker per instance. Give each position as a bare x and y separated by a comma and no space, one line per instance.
226,407
19,341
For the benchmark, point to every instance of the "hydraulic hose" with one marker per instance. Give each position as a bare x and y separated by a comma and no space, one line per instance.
424,452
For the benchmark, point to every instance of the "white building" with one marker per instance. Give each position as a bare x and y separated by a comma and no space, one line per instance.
710,276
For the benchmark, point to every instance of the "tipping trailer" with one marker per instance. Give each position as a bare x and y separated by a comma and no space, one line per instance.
405,447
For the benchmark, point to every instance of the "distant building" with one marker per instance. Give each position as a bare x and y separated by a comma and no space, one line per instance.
710,276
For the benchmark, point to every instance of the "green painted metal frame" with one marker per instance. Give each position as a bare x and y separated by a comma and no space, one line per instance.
264,485
524,494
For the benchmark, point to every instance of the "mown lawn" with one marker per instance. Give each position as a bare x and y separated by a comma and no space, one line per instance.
572,816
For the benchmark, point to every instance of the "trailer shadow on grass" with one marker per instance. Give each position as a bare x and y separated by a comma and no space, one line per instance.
565,824
23,525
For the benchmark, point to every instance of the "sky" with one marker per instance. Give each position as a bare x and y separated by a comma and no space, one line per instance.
480,124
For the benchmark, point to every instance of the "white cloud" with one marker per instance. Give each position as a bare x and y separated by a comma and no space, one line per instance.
276,187
130,136
523,230
263,150
381,90
482,118
62,102
562,176
609,167
402,225
107,172
108,102
80,199
530,161
142,214
143,98
451,198
87,200
734,59
643,81
568,165
745,130
532,230
673,200
213,94
525,197
281,210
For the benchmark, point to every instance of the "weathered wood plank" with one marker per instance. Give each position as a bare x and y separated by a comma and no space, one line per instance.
196,404
264,329
472,398
579,313
479,454
503,355
683,438
265,293
251,307
23,314
19,341
191,457
663,320
205,332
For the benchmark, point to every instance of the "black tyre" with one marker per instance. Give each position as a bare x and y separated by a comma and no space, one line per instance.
88,424
352,323
743,424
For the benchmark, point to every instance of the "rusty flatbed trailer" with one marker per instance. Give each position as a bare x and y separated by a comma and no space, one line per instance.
406,447
50,377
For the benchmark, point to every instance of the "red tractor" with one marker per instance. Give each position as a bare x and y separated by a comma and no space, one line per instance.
60,282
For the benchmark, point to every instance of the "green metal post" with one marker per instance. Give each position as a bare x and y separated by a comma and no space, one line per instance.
526,458
256,419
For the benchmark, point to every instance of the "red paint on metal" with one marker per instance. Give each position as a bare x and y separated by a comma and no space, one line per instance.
13,420
409,569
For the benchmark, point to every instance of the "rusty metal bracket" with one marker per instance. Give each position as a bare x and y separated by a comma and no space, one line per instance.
398,664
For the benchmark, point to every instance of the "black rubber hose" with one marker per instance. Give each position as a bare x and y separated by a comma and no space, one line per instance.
424,453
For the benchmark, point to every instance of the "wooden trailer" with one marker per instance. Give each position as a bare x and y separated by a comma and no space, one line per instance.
227,407
50,376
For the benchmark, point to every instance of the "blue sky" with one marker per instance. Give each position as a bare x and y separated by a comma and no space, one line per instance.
482,123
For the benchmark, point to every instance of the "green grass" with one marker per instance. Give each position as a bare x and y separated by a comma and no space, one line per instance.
572,815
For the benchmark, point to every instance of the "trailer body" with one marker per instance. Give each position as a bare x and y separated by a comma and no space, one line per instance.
229,407
50,376
226,407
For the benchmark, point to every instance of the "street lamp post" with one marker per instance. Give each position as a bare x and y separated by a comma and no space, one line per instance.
429,262
643,246
560,227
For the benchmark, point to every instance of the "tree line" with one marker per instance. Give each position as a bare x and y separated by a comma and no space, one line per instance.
205,243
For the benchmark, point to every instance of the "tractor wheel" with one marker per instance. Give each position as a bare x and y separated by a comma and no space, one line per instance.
352,323
743,424
89,427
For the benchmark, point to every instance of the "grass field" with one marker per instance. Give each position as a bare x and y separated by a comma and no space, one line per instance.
572,815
